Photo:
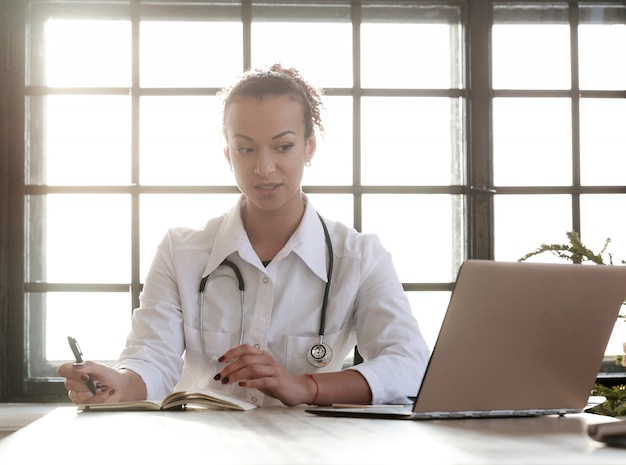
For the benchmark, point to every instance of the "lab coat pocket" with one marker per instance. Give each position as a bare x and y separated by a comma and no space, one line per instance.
214,343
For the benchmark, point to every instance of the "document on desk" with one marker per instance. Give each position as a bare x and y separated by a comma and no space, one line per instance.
199,397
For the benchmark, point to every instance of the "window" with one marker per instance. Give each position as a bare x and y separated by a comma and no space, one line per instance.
558,155
454,130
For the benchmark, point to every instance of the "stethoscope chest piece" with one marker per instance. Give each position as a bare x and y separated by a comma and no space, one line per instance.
320,354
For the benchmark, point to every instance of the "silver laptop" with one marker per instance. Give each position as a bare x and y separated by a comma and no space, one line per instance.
518,339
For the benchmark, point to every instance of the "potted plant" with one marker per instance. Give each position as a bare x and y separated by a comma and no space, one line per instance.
576,252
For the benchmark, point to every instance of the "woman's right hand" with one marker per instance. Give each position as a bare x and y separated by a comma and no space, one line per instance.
111,385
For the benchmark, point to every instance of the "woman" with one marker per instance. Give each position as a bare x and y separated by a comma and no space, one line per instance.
269,347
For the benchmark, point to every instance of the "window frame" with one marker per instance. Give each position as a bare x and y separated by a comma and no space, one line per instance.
478,190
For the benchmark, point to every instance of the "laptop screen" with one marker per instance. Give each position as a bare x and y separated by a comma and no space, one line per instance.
520,336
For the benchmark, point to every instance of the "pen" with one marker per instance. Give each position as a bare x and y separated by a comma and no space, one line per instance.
78,355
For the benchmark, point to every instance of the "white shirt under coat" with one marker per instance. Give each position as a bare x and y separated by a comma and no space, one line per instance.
283,302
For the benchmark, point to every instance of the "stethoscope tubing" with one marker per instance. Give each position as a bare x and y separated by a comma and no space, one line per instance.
240,285
329,275
320,346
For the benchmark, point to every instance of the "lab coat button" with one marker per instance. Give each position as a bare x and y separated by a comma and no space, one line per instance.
265,280
257,346
254,399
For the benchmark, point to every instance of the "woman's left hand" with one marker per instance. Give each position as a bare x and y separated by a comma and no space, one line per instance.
251,367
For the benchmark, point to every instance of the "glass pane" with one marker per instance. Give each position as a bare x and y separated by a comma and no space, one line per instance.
181,142
602,142
422,233
75,314
87,140
532,143
85,238
159,212
429,308
616,342
332,163
523,222
416,150
530,48
190,54
322,52
602,217
335,207
601,49
410,55
87,53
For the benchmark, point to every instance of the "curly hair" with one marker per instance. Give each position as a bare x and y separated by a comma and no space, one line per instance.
278,81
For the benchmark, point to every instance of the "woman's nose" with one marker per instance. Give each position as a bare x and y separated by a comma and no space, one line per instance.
264,163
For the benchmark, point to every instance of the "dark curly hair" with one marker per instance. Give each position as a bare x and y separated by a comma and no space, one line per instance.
278,81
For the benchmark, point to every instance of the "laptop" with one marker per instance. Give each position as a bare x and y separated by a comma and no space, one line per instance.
518,339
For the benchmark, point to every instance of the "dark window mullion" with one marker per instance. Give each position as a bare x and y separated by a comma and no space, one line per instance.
575,102
135,17
34,267
480,232
356,114
246,20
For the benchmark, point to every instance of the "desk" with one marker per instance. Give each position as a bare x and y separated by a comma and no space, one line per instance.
15,416
292,436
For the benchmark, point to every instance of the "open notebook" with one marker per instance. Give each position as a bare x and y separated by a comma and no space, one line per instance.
518,339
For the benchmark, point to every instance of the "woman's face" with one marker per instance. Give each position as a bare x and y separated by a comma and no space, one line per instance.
267,149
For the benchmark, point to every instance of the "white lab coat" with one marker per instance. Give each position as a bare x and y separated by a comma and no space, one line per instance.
283,301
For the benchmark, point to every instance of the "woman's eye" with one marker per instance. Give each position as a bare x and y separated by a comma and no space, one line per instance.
243,149
284,147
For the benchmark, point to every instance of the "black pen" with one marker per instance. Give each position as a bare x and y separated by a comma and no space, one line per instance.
78,355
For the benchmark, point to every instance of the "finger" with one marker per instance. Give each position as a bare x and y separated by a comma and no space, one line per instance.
97,371
243,373
80,385
248,367
239,351
80,372
75,385
241,361
71,371
65,370
81,397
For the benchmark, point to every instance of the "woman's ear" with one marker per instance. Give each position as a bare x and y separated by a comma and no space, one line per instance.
227,156
311,145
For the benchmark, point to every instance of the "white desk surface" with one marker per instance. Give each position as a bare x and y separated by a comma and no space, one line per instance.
292,436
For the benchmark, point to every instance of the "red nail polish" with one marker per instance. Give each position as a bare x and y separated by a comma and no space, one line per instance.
221,359
217,377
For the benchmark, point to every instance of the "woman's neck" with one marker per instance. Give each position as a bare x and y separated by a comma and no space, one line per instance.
269,231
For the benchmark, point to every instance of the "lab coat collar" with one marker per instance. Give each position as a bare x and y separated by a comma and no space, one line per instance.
230,237
308,242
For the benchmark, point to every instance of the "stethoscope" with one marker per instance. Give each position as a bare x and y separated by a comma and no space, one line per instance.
320,354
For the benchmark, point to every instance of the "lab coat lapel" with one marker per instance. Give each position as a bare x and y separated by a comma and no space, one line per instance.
309,242
231,237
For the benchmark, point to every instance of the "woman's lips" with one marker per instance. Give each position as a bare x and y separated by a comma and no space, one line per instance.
268,189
